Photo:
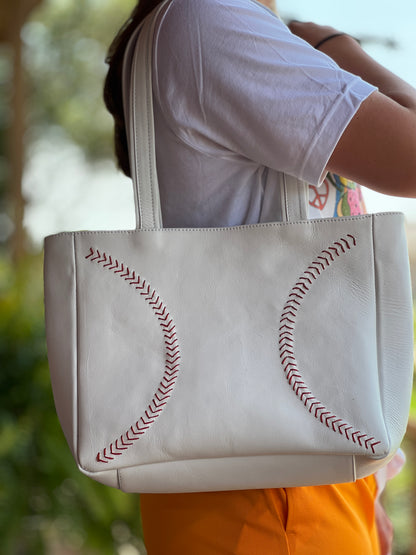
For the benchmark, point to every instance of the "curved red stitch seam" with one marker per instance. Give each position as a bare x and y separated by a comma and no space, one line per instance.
329,254
301,284
98,255
286,346
286,319
345,243
323,258
321,264
301,291
353,239
287,351
310,273
289,312
172,355
340,245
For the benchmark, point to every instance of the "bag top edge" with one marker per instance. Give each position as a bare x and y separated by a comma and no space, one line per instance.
236,228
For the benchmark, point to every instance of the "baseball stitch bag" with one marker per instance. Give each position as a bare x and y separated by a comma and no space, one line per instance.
268,355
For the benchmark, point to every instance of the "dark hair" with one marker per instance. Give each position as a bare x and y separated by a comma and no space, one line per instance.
113,96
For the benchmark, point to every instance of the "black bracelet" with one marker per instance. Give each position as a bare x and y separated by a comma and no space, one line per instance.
321,42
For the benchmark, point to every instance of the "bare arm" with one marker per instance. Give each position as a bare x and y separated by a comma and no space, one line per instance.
378,148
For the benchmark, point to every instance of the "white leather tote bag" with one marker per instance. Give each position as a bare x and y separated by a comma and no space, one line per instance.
230,358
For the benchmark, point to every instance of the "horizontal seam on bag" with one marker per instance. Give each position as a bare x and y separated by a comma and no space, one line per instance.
240,228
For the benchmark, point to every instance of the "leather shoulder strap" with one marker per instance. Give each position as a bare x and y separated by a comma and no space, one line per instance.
138,113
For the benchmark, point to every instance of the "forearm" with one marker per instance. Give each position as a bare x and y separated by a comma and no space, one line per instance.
377,149
349,55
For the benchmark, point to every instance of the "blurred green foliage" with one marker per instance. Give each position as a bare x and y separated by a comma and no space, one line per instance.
44,500
66,44
5,78
399,501
46,504
399,498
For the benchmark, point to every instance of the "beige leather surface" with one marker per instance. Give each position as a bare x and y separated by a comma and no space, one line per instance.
217,299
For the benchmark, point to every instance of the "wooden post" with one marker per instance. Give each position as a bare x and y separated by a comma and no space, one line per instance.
13,14
16,135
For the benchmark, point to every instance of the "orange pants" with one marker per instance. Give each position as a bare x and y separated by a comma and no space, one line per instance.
321,520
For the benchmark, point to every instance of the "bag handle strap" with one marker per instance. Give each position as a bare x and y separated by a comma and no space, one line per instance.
294,199
138,113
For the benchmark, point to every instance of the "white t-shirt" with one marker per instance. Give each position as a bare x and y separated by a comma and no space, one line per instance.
237,99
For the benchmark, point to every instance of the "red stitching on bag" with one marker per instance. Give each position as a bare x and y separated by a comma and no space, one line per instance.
287,340
329,254
340,245
291,312
288,347
123,442
172,355
304,393
323,258
132,277
283,336
353,239
371,443
120,448
345,242
316,262
301,291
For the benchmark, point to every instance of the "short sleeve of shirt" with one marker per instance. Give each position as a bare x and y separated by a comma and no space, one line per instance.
232,80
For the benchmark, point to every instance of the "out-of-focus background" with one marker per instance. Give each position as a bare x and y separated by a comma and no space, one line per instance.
57,173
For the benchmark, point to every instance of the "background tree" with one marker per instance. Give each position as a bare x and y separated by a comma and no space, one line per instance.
46,505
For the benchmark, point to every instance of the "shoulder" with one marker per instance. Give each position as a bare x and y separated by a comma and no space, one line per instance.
213,34
196,16
217,6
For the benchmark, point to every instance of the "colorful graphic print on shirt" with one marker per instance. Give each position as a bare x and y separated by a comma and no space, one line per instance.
337,196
